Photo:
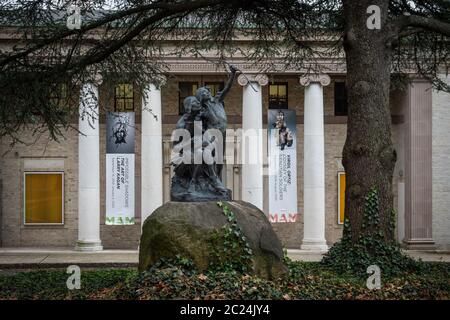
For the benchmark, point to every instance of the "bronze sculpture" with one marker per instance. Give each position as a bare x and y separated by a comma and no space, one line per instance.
195,181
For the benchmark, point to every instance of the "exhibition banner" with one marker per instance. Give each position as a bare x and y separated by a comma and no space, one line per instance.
120,136
282,152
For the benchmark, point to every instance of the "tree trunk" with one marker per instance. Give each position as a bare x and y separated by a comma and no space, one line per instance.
369,156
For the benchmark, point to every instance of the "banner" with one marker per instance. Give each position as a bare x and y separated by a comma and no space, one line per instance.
120,135
282,152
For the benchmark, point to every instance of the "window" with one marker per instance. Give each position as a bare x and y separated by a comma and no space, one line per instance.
341,197
124,97
59,96
340,99
43,197
278,96
185,90
215,87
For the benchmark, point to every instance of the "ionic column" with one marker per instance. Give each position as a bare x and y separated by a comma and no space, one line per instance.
314,164
252,123
151,152
89,169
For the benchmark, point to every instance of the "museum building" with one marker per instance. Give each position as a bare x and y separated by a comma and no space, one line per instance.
53,194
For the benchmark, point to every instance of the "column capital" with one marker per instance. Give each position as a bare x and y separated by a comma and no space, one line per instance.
159,81
95,79
322,78
244,79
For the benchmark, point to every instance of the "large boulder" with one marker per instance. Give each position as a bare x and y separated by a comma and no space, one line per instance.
185,229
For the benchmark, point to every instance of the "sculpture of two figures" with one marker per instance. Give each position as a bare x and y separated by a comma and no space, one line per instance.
196,180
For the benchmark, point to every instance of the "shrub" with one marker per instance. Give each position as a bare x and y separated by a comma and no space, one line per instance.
370,249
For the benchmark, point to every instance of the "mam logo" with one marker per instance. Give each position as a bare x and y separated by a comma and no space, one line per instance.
283,217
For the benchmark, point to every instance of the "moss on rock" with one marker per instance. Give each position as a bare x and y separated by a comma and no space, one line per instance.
186,229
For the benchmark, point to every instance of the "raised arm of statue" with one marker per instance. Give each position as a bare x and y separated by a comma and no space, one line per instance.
221,95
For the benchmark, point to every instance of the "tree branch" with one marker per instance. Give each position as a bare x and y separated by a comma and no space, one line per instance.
425,23
100,52
166,9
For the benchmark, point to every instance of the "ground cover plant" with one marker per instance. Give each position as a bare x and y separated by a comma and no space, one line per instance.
178,279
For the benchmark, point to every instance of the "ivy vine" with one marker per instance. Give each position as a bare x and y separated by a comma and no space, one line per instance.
371,248
231,251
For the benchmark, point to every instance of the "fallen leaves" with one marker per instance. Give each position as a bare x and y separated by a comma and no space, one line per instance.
202,277
307,281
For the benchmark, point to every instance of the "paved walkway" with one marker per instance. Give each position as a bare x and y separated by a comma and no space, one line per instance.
46,258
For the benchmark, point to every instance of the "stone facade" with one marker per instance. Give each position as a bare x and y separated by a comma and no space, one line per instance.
21,158
42,155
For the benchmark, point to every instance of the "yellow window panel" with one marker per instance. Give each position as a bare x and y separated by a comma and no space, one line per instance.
282,91
273,90
60,96
278,95
128,91
185,89
194,89
213,90
120,105
124,97
341,197
215,87
129,105
44,198
118,91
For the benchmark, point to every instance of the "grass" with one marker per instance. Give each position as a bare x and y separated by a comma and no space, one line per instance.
307,280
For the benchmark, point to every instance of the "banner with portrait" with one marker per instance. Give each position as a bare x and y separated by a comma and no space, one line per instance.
282,152
120,137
